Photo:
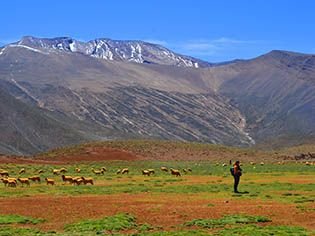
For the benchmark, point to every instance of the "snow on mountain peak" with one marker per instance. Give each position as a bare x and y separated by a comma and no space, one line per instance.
117,50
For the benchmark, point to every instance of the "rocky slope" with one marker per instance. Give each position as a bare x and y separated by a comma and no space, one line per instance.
98,93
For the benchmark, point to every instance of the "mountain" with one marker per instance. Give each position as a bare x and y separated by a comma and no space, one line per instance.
275,92
112,50
98,93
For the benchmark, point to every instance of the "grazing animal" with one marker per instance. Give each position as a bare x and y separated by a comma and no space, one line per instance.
63,170
56,172
12,183
78,170
185,171
224,164
146,172
125,171
252,163
175,172
163,168
87,180
35,178
4,173
22,171
24,181
67,179
40,171
50,181
104,169
262,163
118,171
189,169
98,172
77,181
6,181
152,171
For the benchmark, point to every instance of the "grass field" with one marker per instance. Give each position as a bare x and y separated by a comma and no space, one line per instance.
275,199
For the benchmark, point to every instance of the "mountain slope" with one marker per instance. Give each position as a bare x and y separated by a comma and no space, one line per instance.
263,100
275,92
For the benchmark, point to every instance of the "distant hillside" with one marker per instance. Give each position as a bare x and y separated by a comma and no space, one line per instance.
82,93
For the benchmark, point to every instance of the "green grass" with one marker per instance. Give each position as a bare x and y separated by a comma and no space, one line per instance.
227,220
253,230
117,222
17,219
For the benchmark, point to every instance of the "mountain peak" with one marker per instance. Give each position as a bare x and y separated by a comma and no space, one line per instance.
115,50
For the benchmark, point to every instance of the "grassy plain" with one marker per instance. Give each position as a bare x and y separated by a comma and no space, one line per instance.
275,199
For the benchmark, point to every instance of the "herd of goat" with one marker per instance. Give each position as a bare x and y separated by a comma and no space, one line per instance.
78,180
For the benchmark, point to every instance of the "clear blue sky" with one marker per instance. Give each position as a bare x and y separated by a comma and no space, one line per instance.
211,30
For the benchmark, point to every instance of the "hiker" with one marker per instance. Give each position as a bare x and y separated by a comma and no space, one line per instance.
236,171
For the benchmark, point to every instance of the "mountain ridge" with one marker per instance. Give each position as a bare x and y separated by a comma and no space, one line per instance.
236,103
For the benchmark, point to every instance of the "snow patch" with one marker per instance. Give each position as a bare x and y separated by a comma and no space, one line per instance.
27,47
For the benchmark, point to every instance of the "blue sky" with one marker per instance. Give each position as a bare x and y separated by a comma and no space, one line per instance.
211,30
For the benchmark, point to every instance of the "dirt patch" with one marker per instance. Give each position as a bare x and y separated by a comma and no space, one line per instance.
158,210
92,154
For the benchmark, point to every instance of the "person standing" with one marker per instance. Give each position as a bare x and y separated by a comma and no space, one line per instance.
237,173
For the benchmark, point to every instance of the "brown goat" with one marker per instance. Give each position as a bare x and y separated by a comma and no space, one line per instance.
12,183
152,171
4,173
63,170
50,181
146,172
87,180
77,181
67,179
98,172
35,178
56,171
24,181
125,171
175,172
163,168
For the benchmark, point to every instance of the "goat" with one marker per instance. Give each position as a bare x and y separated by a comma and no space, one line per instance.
98,172
4,173
125,171
22,171
118,171
78,170
87,180
63,170
67,179
175,172
56,171
24,181
104,169
12,183
50,181
146,172
77,181
152,171
163,168
40,171
35,178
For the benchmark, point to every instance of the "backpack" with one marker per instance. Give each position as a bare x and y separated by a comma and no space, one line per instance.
232,171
